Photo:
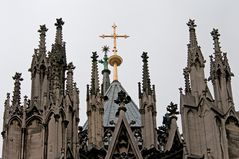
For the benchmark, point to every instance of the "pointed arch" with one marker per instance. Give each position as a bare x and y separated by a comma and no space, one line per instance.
15,118
35,117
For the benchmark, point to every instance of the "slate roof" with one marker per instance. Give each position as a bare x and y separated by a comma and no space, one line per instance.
110,107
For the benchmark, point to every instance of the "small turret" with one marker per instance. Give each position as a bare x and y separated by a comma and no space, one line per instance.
95,88
42,42
146,78
17,90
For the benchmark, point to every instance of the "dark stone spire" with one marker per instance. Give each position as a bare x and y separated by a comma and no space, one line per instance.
106,71
146,78
17,87
94,75
192,36
42,42
187,81
69,79
59,23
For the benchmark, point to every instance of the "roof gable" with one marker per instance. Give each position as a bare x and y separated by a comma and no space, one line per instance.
123,143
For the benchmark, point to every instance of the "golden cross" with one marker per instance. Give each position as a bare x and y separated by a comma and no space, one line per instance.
114,36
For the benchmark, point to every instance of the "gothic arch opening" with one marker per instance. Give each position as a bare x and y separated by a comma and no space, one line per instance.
232,130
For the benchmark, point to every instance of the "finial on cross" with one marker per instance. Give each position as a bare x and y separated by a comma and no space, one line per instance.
114,36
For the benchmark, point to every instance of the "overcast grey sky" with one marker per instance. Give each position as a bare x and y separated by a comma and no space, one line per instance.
156,26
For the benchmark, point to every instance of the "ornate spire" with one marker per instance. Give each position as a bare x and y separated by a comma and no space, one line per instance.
146,78
115,60
42,42
69,79
95,88
192,37
216,43
17,87
59,23
187,81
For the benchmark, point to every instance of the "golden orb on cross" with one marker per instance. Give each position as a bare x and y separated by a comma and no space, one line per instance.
115,59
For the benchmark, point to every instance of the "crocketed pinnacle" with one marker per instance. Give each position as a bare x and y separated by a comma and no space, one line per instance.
17,87
192,36
146,78
217,48
187,81
94,75
69,79
42,42
59,23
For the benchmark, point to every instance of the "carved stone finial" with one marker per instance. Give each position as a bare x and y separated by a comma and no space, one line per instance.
43,29
172,109
71,66
122,99
59,23
215,34
17,87
191,24
180,90
17,77
8,95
